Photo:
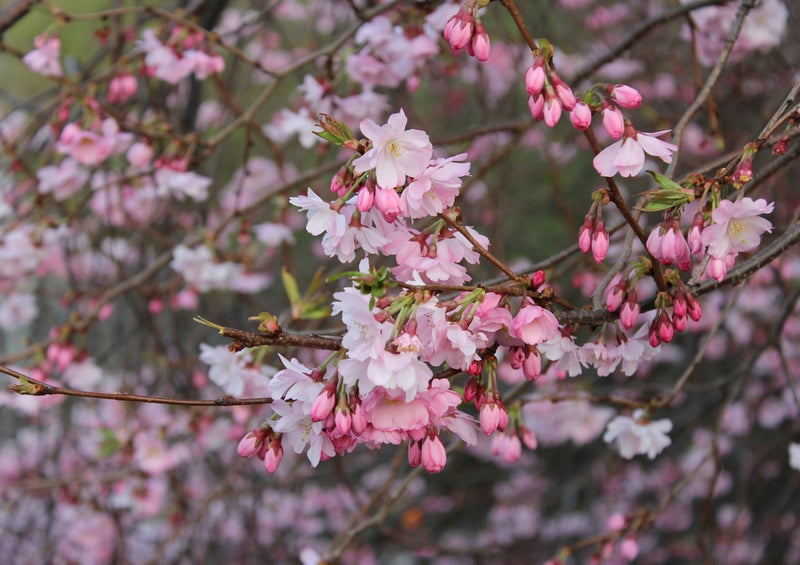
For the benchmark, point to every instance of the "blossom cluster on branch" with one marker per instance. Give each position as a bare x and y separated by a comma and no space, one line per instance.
575,332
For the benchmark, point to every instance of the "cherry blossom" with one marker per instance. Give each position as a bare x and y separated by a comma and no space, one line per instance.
44,58
737,226
638,435
395,152
626,156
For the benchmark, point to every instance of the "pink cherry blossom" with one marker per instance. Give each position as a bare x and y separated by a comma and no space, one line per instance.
44,58
534,324
737,226
62,180
395,152
638,435
667,244
626,156
435,188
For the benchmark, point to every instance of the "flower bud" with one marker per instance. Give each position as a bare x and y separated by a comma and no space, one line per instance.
616,295
600,241
536,106
626,96
387,201
665,328
629,312
433,455
581,116
534,79
613,121
566,96
414,454
585,234
481,45
552,112
532,366
490,417
250,444
516,357
273,457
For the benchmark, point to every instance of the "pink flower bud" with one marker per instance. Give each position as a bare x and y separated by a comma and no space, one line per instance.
434,455
387,201
695,237
365,199
679,322
343,420
552,112
566,96
694,310
532,366
475,367
716,269
339,183
538,279
490,417
516,357
273,457
536,106
461,32
507,446
139,154
613,121
653,338
534,79
629,549
358,421
626,96
581,116
585,234
121,88
616,522
250,444
414,454
616,295
480,43
679,304
629,312
470,390
781,146
156,305
665,328
600,241
528,437
323,405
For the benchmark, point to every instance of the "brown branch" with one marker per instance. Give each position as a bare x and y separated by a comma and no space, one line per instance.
480,249
511,6
14,13
34,387
243,339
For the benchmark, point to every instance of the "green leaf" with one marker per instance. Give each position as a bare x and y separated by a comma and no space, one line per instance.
109,444
328,137
666,182
290,286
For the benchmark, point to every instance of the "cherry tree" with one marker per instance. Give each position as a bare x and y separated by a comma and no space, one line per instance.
447,281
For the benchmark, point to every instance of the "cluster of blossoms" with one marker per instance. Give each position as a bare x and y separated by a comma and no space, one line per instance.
110,199
179,57
465,31
381,387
